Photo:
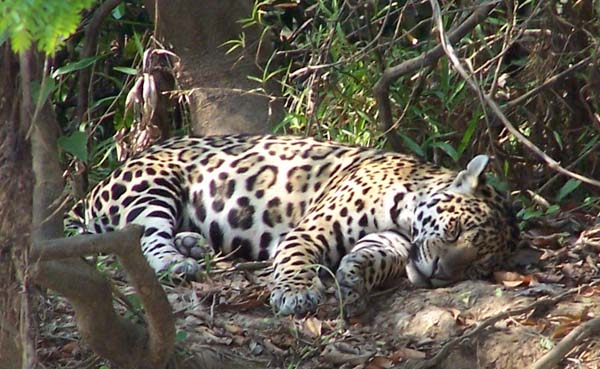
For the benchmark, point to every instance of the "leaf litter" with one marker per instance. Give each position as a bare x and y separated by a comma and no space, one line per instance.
229,309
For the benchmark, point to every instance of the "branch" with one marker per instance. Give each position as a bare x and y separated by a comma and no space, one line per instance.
89,244
446,43
382,87
575,337
89,49
125,244
552,80
108,334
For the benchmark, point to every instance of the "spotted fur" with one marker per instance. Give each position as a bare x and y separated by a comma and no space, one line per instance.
302,203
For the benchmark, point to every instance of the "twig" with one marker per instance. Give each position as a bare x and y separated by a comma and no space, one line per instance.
445,350
449,50
575,337
249,266
550,81
575,162
382,87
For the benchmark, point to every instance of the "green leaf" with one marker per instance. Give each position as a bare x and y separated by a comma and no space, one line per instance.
558,139
552,209
75,144
180,336
127,70
498,292
466,138
99,102
75,66
567,188
41,92
119,11
412,145
546,343
529,213
496,182
138,44
21,40
447,148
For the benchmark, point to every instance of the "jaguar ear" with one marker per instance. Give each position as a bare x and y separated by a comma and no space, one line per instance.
467,180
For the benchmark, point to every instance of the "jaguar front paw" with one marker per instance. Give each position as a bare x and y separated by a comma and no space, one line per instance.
193,245
296,299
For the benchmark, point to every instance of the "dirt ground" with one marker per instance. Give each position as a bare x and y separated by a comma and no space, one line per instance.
553,287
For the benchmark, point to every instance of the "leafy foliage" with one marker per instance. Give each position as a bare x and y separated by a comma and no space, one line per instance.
46,23
328,55
331,53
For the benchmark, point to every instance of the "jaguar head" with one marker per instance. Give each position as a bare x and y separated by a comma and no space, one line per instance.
462,229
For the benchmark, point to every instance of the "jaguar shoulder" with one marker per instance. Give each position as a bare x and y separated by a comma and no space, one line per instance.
302,202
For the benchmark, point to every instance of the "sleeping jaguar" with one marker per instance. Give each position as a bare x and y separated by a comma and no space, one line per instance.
304,203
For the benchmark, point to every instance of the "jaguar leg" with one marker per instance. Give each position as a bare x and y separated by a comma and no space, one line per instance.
374,260
296,287
158,243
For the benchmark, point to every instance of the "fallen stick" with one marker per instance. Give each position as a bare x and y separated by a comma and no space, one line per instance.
575,337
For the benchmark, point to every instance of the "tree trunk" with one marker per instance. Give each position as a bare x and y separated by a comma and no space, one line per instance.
16,187
217,84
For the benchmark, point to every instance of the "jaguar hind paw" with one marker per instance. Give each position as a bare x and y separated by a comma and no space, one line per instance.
188,269
193,245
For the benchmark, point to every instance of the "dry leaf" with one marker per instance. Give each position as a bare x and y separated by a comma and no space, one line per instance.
406,353
312,327
333,355
380,362
70,348
513,279
232,328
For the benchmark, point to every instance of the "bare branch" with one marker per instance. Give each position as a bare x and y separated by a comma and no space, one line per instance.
83,245
91,38
446,43
575,337
382,87
159,317
550,81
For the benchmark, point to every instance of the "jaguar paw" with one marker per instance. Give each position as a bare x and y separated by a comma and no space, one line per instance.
295,300
193,245
354,292
186,269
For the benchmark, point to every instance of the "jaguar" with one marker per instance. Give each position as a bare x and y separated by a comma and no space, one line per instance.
305,203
